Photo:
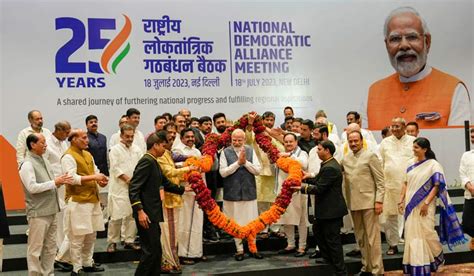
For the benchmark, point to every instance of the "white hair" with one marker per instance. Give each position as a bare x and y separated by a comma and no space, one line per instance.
403,10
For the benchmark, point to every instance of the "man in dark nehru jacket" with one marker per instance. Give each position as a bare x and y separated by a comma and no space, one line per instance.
329,208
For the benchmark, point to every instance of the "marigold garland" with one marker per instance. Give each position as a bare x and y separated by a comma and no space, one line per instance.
211,145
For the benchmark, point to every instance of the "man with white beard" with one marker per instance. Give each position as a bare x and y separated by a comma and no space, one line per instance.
238,166
416,91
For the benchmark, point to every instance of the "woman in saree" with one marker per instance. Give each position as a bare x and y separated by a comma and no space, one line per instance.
425,181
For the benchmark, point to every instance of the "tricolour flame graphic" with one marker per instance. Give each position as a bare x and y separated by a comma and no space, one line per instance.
114,46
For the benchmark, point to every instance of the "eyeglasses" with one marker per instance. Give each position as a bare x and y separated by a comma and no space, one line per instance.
411,38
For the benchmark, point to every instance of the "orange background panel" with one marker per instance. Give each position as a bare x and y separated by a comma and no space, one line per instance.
11,184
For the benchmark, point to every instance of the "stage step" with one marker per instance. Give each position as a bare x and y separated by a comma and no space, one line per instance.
15,247
271,265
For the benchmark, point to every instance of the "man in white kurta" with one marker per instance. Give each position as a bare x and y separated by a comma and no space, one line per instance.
191,216
83,216
115,138
396,152
42,205
123,158
36,126
57,146
296,213
133,118
238,166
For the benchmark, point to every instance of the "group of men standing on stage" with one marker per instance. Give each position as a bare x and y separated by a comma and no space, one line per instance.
348,175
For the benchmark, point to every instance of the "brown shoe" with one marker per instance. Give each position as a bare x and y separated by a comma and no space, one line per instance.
132,246
112,247
472,244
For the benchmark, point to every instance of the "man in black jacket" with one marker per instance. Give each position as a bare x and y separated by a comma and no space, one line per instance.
330,207
144,192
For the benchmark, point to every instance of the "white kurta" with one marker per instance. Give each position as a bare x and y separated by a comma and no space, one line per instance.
299,202
396,155
21,147
123,160
54,151
80,218
466,171
241,211
114,139
190,216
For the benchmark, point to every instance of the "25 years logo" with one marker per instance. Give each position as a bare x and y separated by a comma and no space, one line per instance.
113,50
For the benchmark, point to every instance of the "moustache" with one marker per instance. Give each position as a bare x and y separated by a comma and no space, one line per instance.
402,54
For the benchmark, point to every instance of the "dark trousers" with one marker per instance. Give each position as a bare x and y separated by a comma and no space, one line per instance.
212,180
150,261
328,238
468,217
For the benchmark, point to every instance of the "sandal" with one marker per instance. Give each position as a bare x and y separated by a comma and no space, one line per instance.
392,250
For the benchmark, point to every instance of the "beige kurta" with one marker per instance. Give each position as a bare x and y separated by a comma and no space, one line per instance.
396,155
122,161
266,179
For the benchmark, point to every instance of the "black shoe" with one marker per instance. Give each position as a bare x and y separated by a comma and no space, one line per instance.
322,261
256,255
354,253
80,272
286,251
93,268
63,266
239,257
300,254
211,238
316,254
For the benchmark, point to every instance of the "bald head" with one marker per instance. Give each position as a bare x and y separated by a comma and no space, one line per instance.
398,127
322,120
186,113
36,120
352,127
61,130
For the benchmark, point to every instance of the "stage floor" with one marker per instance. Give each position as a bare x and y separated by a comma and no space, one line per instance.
274,264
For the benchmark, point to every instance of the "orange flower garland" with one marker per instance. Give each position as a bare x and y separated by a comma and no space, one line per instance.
209,206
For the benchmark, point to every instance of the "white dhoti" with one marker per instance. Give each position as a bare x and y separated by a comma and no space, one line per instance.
82,221
296,214
190,227
242,212
122,223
